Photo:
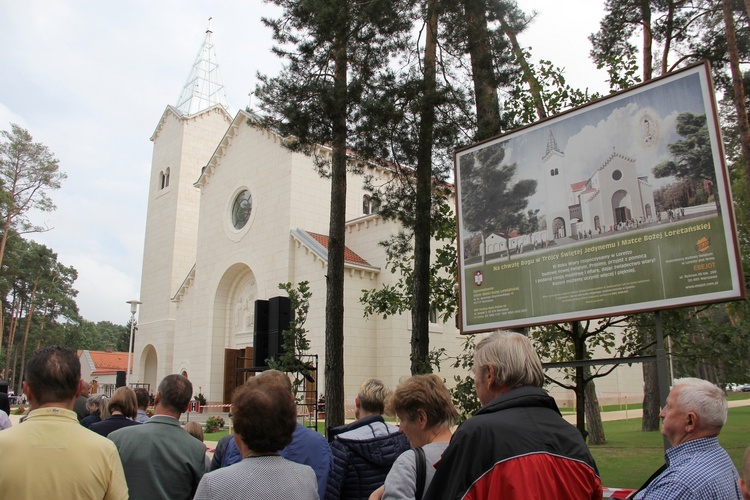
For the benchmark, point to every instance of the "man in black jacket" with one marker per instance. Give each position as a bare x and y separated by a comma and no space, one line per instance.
517,446
364,451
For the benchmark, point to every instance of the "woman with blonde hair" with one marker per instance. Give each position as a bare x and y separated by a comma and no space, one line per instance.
424,406
123,408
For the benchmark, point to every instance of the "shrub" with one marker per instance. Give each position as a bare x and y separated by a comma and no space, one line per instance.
21,410
214,424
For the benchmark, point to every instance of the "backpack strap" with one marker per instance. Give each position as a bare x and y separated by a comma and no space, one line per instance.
421,471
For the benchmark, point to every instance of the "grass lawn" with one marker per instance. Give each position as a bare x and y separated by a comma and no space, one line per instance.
215,436
631,456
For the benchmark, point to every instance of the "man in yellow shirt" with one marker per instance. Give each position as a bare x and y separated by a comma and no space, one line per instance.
50,455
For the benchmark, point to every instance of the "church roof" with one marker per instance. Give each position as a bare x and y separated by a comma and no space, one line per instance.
318,243
106,363
204,87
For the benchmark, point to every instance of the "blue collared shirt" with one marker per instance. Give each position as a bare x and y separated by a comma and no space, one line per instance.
699,469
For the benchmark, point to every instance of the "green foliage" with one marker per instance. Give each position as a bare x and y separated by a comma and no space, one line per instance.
201,399
28,170
464,394
692,158
296,344
214,424
555,93
494,200
396,299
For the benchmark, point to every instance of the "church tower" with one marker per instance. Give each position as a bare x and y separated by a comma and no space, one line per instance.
184,140
557,190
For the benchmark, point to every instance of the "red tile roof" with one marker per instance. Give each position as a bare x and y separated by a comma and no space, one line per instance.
349,255
109,362
578,185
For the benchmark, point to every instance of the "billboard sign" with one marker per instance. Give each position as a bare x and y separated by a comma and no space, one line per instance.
619,206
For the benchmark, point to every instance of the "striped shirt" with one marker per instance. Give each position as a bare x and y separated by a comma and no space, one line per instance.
699,469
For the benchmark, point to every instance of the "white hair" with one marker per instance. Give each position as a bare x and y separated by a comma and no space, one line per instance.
703,398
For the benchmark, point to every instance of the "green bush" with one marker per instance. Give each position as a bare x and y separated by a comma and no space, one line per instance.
214,424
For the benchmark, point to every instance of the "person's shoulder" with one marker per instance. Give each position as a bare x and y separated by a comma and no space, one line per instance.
310,434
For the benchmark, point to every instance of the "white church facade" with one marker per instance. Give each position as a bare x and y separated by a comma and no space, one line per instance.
232,214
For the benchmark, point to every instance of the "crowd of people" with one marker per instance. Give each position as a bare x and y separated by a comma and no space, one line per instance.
517,446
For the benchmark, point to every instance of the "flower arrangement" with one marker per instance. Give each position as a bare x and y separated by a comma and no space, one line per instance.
214,424
200,398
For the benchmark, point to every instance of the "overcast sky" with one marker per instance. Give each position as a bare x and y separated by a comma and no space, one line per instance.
90,79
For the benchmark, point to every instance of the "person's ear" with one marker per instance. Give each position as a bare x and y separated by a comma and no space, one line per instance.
422,418
27,391
357,402
691,421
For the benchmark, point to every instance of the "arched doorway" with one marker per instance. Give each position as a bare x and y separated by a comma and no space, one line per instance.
558,228
150,365
621,206
233,325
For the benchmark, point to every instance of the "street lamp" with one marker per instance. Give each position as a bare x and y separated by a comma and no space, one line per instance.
133,309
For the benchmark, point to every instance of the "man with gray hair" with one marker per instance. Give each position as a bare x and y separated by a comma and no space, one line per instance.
160,459
517,446
696,465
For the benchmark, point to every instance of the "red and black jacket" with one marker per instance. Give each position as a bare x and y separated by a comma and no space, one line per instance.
517,447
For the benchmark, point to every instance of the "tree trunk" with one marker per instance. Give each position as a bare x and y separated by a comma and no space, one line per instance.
738,87
334,345
534,86
593,413
482,70
668,34
647,40
420,334
580,390
29,317
12,326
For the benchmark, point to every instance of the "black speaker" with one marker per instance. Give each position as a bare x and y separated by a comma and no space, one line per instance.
279,316
279,313
4,386
260,333
120,379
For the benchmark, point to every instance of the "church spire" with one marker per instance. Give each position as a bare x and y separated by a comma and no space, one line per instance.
204,87
551,144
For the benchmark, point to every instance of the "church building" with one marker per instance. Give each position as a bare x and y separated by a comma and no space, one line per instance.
612,196
231,215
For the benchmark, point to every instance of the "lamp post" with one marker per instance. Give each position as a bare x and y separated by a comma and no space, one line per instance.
133,309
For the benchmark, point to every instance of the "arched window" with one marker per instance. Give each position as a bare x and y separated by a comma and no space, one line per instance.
161,180
374,205
166,178
366,204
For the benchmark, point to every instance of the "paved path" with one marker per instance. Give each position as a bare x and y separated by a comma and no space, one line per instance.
608,416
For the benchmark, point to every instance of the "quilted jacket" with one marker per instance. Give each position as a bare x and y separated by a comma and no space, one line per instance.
363,453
